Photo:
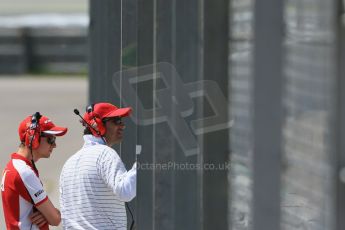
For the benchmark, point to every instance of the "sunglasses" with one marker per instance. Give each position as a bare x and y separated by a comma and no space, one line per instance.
115,120
50,139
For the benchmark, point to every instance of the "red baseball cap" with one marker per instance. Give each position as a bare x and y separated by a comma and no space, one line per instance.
103,110
45,124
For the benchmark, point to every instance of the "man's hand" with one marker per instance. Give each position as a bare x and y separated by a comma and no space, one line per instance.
38,219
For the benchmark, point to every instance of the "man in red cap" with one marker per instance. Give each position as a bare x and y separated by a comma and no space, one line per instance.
94,183
25,203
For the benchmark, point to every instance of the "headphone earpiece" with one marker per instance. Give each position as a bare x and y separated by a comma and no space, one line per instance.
32,139
95,121
32,136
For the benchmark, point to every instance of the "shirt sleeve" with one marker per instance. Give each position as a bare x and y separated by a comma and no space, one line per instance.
34,186
61,197
113,172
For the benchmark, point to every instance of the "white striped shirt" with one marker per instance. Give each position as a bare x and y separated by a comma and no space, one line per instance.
94,185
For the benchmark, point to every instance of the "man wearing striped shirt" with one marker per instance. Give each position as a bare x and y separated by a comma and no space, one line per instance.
94,183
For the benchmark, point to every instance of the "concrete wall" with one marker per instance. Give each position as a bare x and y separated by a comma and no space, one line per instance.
43,50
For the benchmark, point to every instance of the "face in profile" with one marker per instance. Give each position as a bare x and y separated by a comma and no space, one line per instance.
47,144
114,130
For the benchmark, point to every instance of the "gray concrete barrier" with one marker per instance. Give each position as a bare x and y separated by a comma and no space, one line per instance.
43,50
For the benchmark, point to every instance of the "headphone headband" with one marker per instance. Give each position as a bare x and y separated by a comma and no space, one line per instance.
90,108
35,118
33,131
98,128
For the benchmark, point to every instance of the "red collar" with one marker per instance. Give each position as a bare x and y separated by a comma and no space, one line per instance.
27,161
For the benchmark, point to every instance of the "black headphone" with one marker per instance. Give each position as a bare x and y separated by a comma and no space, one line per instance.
94,125
32,135
98,128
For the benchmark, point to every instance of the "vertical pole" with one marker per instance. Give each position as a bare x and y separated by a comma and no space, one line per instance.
215,144
268,76
339,124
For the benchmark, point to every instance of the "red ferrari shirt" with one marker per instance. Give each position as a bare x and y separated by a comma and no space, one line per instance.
21,190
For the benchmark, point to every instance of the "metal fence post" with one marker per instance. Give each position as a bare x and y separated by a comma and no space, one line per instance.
268,53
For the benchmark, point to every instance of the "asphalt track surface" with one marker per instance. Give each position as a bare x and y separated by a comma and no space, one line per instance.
55,97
